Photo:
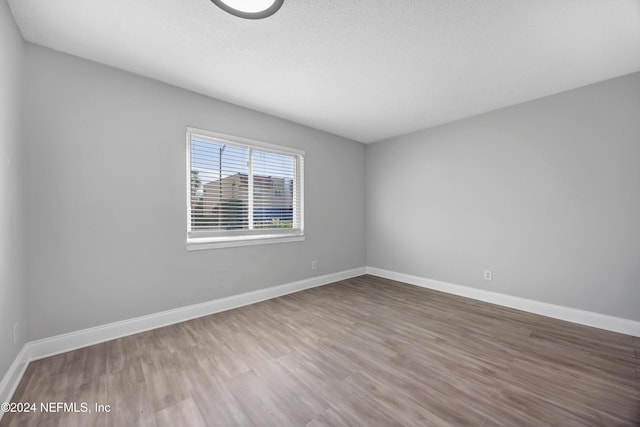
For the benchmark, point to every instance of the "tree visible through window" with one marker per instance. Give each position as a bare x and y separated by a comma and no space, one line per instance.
242,190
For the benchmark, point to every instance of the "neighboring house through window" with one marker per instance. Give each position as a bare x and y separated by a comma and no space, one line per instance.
242,191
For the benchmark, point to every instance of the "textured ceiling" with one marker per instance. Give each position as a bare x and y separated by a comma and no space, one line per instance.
364,69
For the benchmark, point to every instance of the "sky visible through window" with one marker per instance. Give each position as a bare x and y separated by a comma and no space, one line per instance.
205,159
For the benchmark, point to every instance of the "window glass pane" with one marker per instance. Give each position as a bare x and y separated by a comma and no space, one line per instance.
219,186
273,187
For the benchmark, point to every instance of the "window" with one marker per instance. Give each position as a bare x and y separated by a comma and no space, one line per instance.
242,192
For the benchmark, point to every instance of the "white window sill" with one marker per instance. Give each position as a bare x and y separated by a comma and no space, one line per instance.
217,243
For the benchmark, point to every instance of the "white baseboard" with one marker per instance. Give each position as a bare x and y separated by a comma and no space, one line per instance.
39,349
12,378
574,315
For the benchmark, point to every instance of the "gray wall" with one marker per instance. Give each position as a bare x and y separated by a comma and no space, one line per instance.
106,198
12,228
546,194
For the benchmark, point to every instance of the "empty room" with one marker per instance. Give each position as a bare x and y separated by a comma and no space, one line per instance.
319,213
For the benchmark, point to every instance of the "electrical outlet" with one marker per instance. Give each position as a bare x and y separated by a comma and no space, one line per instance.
15,334
488,275
314,265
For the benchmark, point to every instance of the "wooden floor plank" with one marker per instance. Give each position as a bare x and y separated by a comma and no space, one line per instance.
361,352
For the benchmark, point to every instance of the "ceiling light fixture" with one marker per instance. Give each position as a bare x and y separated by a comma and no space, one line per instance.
250,9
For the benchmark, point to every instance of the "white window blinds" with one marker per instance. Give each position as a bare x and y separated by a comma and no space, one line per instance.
242,190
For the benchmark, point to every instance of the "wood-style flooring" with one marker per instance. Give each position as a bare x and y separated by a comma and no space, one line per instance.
361,352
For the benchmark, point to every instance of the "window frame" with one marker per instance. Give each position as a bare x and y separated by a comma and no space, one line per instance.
218,239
